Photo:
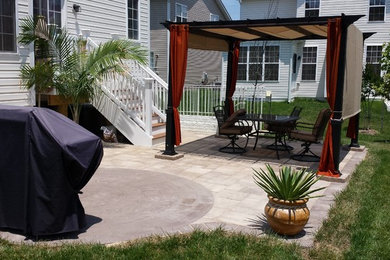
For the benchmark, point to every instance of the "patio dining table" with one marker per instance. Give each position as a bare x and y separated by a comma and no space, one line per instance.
280,125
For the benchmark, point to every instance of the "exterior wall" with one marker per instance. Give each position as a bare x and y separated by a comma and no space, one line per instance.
254,9
266,9
105,19
198,61
11,91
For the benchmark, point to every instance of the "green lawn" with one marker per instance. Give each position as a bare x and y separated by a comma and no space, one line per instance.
358,226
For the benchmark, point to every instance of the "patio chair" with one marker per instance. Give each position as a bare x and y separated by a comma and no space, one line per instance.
314,135
232,127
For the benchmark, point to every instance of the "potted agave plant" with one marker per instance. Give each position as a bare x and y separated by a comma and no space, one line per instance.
288,192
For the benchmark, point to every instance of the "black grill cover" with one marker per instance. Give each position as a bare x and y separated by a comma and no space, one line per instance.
45,160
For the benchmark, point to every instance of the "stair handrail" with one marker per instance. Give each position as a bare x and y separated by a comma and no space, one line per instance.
159,86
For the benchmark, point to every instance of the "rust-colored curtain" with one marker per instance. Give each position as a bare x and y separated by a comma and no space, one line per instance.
327,166
178,64
351,132
232,87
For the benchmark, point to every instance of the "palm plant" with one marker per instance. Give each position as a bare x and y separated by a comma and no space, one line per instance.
76,73
288,184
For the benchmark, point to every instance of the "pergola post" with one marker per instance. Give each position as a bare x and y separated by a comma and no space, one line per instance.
337,120
170,124
229,75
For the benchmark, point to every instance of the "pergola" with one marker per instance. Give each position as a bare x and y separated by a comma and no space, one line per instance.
343,81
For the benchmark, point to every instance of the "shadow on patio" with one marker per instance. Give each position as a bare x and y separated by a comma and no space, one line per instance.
208,147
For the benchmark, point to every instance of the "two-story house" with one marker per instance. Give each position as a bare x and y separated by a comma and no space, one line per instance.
199,63
297,69
100,19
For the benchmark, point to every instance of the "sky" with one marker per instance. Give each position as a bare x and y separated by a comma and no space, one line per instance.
233,7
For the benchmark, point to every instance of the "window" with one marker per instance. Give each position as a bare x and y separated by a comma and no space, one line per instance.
312,8
309,63
253,60
7,26
214,17
49,9
132,19
373,59
181,13
376,10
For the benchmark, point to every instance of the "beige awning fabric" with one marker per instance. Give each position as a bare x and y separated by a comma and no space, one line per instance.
353,72
218,35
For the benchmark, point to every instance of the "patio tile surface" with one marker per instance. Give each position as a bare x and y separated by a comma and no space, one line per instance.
234,202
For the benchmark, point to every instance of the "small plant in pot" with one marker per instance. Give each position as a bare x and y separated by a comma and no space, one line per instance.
288,192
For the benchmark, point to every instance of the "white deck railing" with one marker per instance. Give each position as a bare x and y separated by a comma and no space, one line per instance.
139,92
200,100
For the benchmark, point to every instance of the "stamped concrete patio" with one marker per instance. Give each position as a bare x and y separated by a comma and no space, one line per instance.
134,194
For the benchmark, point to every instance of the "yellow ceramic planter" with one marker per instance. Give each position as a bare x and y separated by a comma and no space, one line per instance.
287,217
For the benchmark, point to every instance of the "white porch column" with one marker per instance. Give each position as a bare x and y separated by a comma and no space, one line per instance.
148,105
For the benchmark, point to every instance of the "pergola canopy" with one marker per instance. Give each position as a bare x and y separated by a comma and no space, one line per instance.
343,67
217,35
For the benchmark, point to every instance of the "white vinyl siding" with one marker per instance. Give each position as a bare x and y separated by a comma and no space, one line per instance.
266,9
107,18
11,92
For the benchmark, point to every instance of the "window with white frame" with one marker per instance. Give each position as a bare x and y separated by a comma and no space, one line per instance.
376,10
214,17
254,60
181,13
312,8
49,9
7,26
309,63
132,19
373,59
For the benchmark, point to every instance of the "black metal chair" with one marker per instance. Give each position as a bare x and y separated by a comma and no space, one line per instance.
314,135
232,127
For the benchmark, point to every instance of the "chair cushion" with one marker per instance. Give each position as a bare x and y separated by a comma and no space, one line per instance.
235,130
303,136
232,119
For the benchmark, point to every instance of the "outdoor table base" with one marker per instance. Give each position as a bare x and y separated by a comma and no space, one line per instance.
279,127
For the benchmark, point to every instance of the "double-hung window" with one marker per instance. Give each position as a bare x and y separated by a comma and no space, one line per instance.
258,63
7,26
132,19
309,63
50,10
376,10
373,59
312,8
181,13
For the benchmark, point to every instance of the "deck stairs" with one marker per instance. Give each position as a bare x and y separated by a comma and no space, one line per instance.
134,102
